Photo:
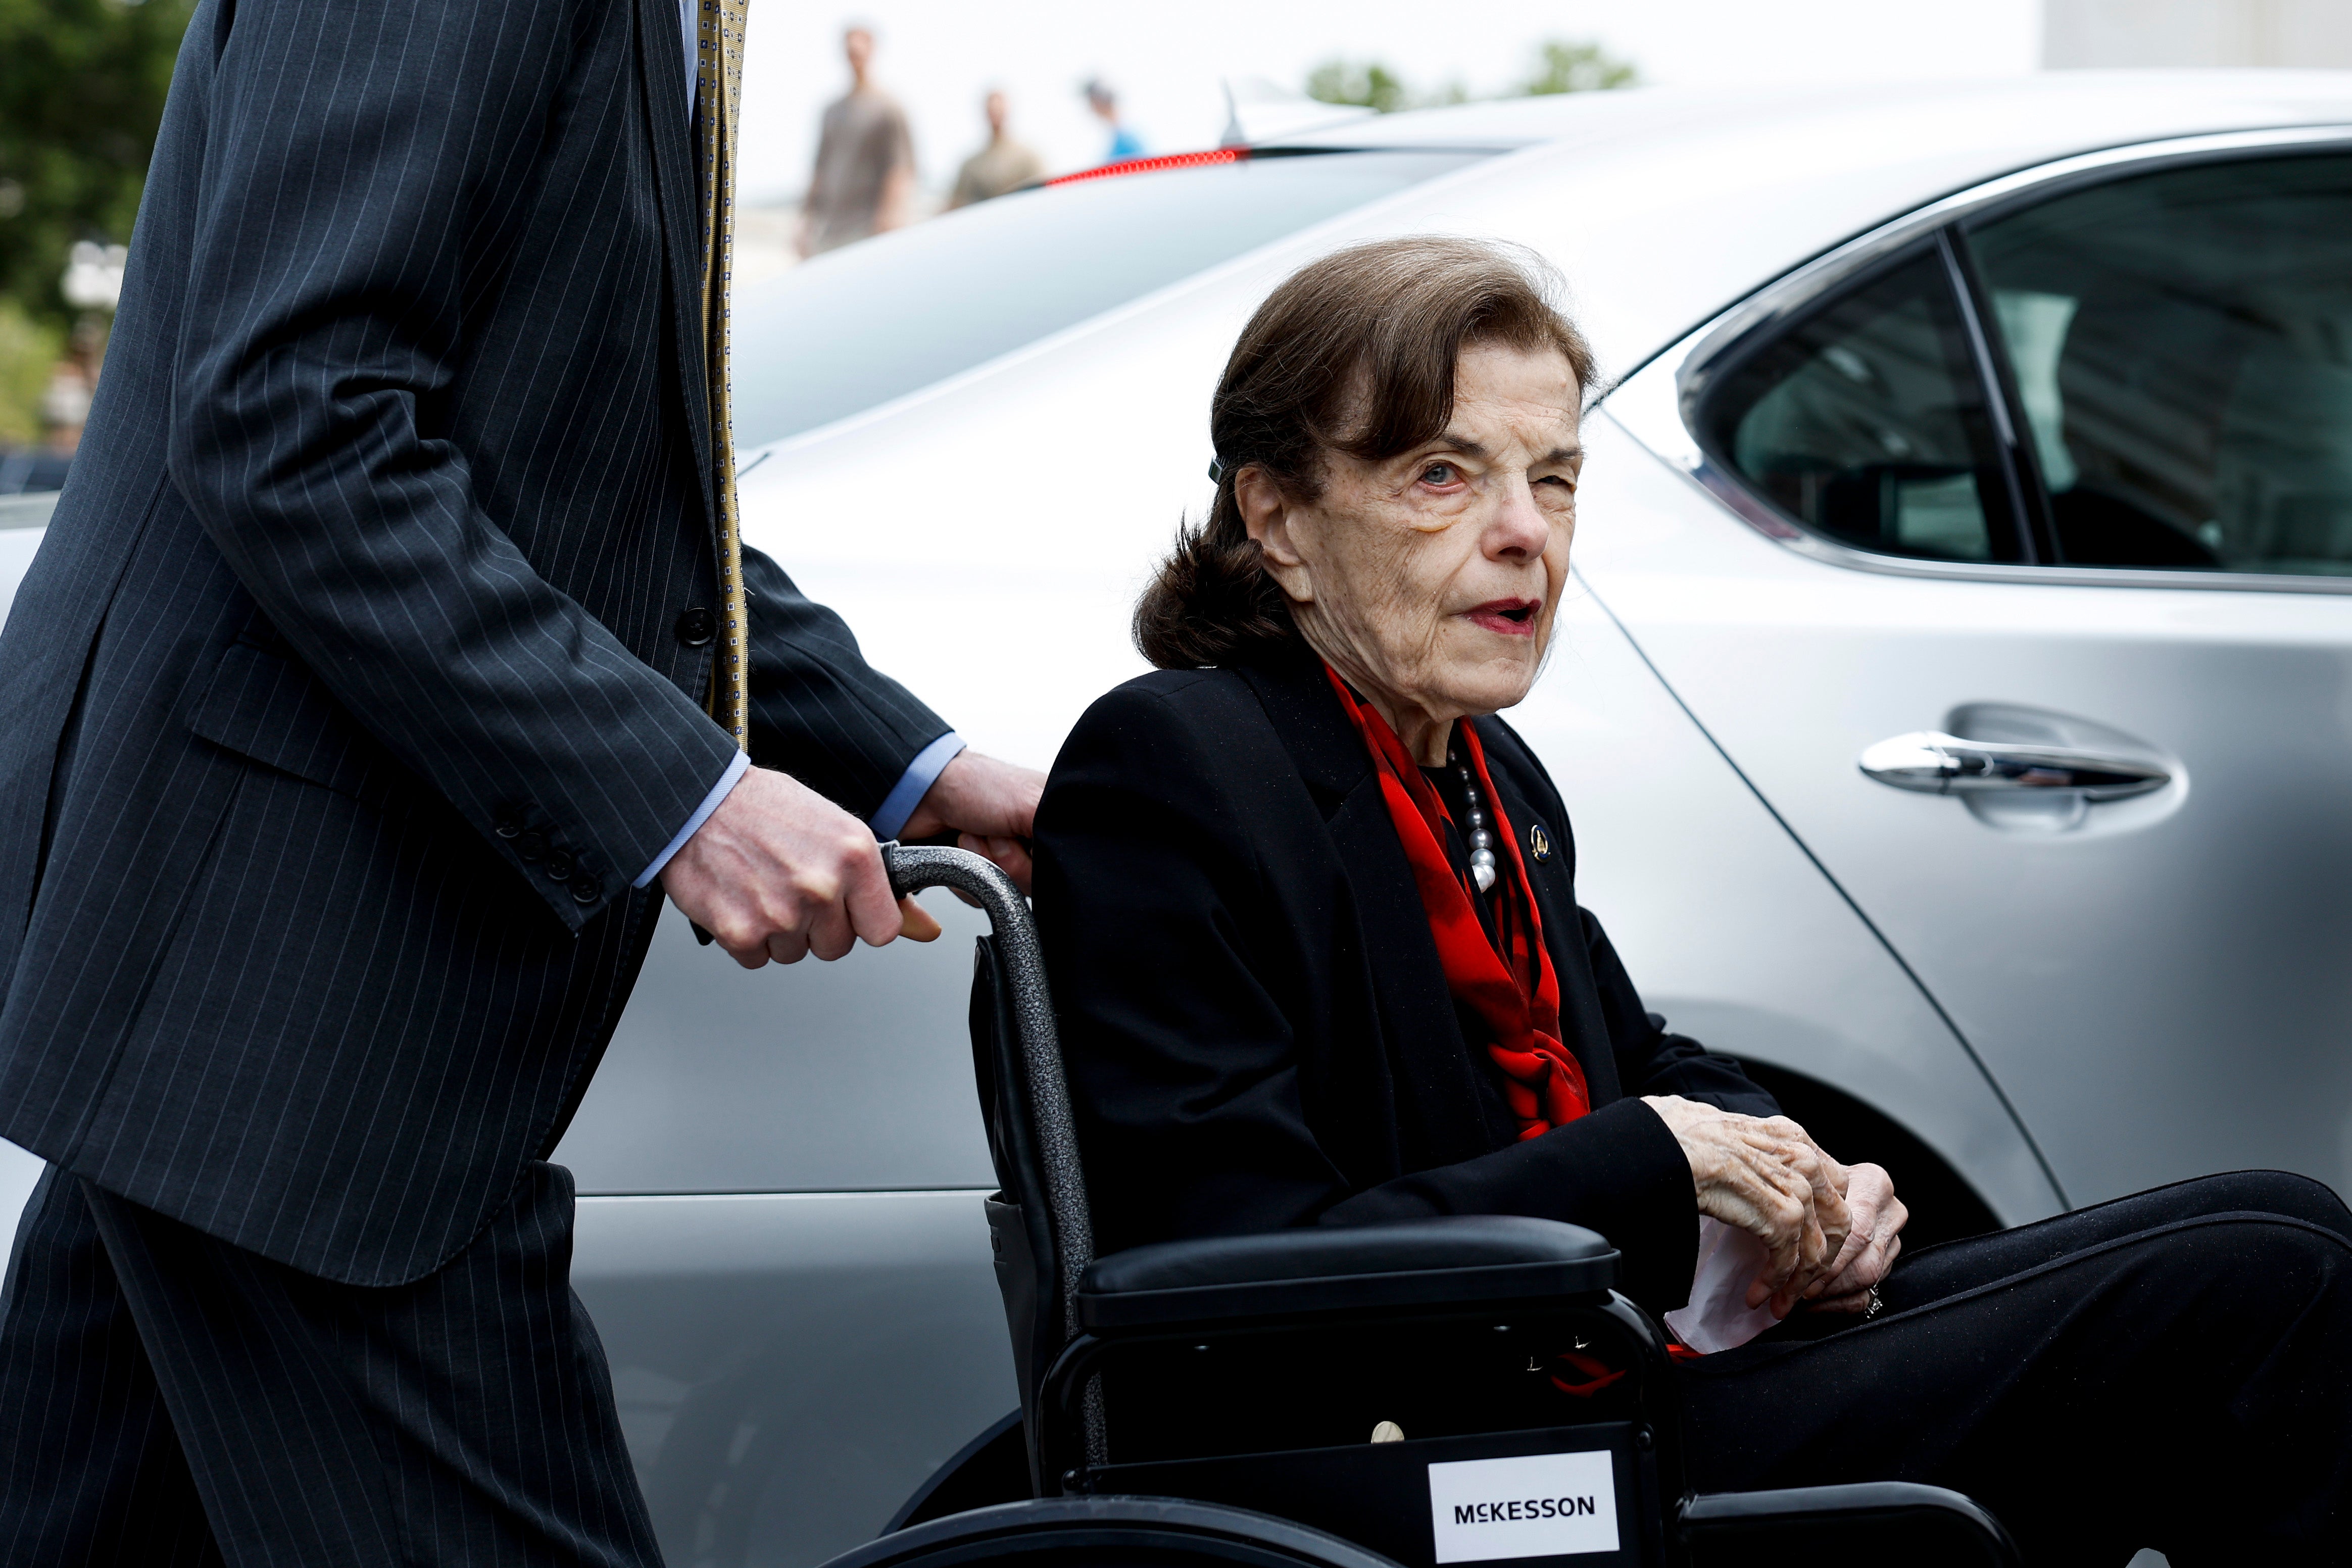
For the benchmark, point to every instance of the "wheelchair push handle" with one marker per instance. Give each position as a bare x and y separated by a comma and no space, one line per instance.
913,868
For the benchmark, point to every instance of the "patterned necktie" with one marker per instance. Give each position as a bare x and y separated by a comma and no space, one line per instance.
718,88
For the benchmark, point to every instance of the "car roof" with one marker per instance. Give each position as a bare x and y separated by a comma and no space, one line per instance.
1948,113
1666,206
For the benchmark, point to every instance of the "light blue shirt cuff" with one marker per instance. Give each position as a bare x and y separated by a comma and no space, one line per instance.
735,770
914,784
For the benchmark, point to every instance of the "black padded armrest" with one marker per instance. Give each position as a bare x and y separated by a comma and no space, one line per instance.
1465,1260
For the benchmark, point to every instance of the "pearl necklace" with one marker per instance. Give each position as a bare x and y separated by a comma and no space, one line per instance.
1482,843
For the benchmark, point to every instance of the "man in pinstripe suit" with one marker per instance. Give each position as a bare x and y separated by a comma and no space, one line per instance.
349,714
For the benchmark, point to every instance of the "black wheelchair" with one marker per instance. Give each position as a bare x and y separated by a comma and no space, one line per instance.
1465,1390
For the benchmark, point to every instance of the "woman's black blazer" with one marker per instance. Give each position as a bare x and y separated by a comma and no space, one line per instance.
1258,1031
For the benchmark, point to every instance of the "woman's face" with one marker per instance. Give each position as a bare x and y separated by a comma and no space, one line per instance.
1429,580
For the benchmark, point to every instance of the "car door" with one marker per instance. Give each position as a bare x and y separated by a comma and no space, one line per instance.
2009,561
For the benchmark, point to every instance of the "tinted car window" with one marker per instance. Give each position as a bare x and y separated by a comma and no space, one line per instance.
2181,343
1867,422
31,472
858,326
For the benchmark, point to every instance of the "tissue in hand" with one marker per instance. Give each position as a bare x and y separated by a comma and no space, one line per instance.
1718,1317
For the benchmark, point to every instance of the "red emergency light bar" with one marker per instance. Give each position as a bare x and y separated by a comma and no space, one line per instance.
1154,166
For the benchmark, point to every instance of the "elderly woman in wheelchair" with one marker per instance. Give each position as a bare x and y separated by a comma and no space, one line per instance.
1347,1181
1309,906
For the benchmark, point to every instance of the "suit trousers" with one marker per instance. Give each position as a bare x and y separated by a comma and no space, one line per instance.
173,1399
2170,1370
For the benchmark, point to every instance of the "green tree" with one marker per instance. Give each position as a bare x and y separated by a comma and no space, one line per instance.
1561,66
1577,68
1370,85
81,92
28,350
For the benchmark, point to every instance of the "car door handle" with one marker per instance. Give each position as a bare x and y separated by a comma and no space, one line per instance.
1936,763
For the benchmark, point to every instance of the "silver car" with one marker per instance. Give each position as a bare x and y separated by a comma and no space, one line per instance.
1956,706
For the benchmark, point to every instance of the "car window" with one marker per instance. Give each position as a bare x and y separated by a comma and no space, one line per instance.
1866,421
2181,347
858,326
32,472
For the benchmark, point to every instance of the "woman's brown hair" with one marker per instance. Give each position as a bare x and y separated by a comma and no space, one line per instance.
1354,354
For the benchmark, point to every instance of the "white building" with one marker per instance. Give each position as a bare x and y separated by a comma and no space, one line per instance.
2196,32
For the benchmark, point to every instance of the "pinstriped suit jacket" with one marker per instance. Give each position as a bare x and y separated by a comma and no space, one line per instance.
348,692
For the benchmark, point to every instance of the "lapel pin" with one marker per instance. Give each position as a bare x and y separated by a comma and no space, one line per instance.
1539,841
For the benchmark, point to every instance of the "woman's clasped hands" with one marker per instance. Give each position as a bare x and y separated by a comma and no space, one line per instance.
1830,1231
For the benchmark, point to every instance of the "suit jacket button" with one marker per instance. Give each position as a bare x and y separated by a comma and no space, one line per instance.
697,626
531,845
560,865
506,822
586,889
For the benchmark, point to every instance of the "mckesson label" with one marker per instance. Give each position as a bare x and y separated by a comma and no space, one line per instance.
1539,1505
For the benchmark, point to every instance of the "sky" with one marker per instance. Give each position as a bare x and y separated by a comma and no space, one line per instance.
1168,59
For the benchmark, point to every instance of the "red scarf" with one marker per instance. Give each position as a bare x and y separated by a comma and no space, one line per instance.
1506,982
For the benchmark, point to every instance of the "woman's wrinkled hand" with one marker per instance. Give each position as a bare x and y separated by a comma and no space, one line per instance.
1870,1247
1771,1179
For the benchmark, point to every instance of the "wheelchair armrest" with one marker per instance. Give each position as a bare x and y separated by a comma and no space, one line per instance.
1924,1526
1463,1260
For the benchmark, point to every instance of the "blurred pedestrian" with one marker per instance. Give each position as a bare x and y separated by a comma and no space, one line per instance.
865,173
1002,166
1124,143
